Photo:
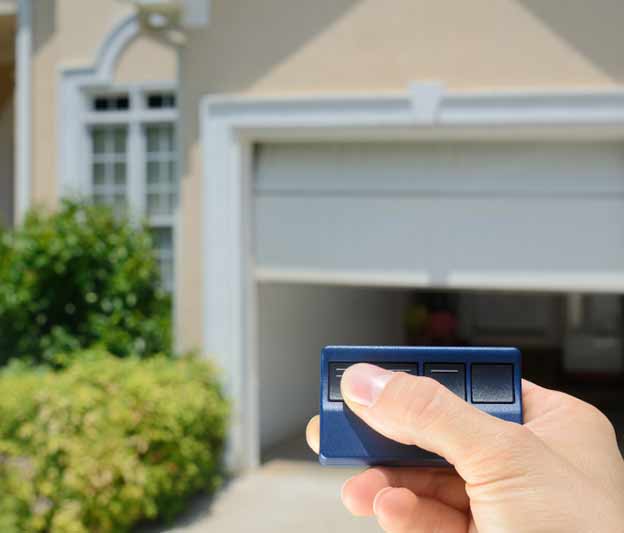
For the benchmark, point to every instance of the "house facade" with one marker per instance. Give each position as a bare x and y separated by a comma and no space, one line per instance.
304,165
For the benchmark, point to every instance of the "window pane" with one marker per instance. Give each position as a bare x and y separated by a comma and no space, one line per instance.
122,103
163,246
161,170
120,140
100,103
99,140
155,101
161,100
153,204
99,174
153,172
152,138
163,239
168,139
109,167
119,205
120,173
173,202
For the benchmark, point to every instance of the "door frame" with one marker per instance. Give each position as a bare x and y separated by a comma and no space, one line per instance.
229,128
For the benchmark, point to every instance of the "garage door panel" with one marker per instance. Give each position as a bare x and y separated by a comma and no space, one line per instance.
505,237
442,167
440,236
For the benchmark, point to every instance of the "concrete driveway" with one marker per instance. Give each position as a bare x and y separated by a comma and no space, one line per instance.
289,493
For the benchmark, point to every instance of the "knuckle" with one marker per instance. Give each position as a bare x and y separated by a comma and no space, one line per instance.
589,414
601,420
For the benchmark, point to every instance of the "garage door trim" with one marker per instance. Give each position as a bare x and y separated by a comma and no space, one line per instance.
229,128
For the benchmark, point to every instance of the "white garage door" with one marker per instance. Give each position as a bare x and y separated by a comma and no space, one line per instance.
466,214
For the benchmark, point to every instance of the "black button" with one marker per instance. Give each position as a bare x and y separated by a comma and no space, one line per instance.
492,383
451,375
336,370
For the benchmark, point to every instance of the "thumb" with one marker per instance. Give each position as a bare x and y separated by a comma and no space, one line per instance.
420,411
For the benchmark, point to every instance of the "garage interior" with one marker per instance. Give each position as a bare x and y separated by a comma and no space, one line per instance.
569,343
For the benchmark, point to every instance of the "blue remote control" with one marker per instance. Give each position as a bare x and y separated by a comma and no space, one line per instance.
489,378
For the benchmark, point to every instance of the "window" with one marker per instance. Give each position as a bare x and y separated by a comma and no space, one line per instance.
133,163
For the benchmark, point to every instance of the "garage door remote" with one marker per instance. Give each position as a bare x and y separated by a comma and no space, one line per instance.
489,378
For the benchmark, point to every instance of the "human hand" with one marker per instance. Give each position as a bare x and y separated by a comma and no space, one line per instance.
559,472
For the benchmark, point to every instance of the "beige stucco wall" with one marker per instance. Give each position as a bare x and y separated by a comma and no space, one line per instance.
297,46
68,33
148,59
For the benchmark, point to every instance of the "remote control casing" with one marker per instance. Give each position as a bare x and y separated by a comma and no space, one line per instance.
490,379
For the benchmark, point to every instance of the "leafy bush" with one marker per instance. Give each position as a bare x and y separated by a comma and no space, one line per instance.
106,442
76,278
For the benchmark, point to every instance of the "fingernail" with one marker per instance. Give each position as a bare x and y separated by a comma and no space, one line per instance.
363,383
378,498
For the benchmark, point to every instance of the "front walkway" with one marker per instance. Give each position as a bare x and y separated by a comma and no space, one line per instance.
290,493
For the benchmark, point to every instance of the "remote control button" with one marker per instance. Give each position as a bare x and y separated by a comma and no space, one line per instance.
451,375
492,383
336,370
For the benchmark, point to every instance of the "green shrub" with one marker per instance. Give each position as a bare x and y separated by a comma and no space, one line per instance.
106,442
77,278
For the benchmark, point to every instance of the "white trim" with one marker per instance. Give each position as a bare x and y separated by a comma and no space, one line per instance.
178,249
355,278
122,117
230,126
135,160
606,282
425,101
23,110
470,108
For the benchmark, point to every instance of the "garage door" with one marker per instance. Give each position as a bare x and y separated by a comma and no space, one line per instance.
494,214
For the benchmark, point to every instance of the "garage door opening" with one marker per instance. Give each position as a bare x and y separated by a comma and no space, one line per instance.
569,342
